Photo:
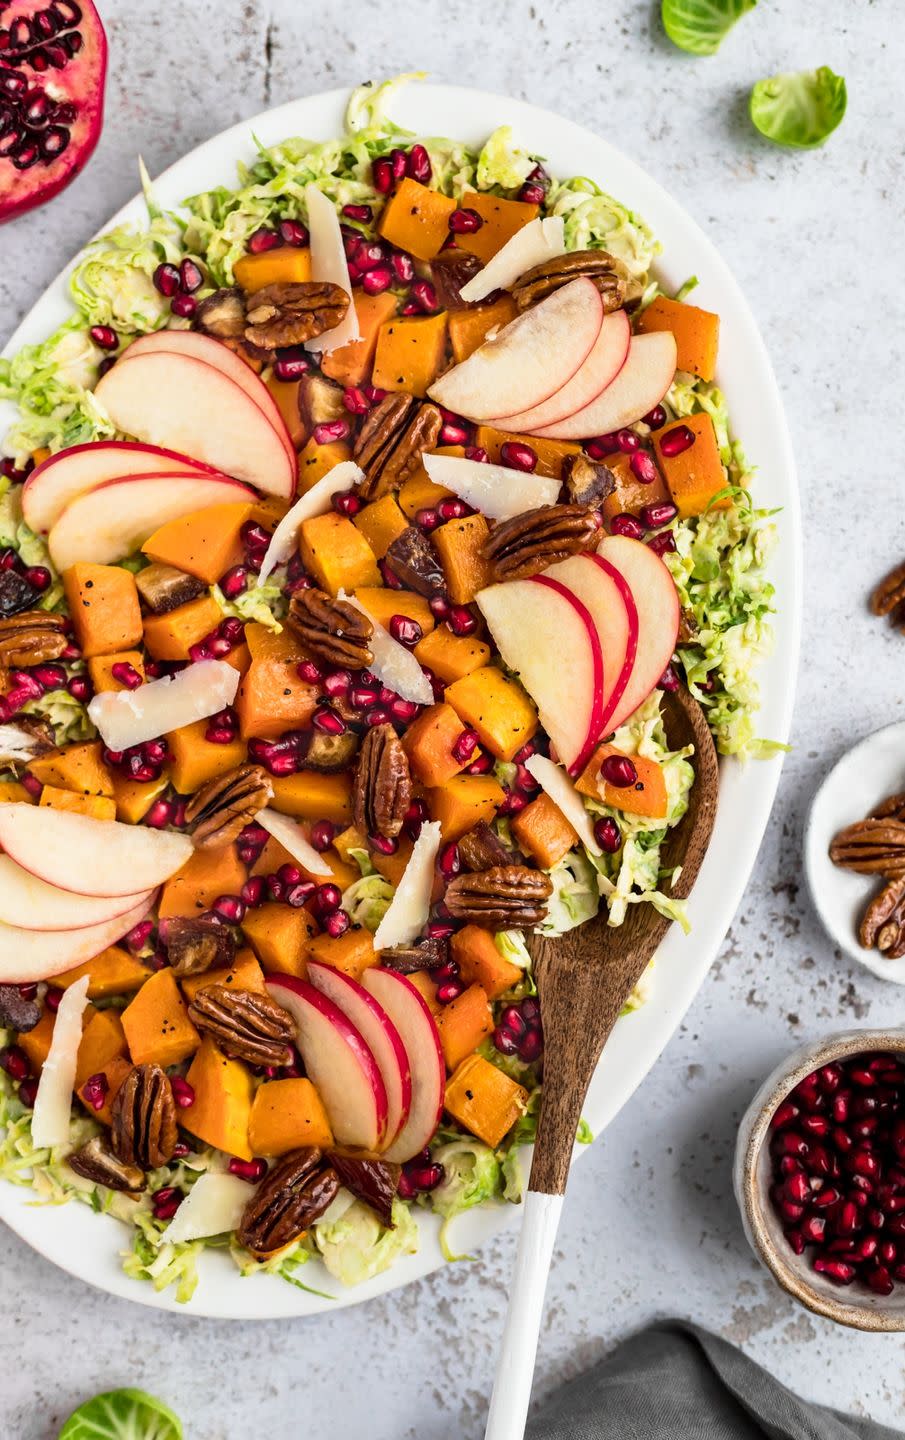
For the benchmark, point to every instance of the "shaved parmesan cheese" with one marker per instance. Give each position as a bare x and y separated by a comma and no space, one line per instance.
328,265
53,1101
554,781
315,501
394,665
535,243
495,490
410,906
214,1206
292,837
129,717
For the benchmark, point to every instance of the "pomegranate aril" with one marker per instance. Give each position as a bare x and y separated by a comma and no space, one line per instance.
104,336
38,577
328,722
608,835
643,467
252,892
653,516
518,456
662,544
839,1271
331,430
322,834
291,364
628,525
263,239
15,1062
346,502
251,1170
461,621
418,165
338,682
465,222
382,176
407,631
676,441
425,296
375,281
337,924
230,908
619,771
184,306
293,232
656,417
327,898
183,1092
465,746
449,862
166,280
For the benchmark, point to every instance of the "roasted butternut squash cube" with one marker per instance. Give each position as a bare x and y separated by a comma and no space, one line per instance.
171,636
280,937
204,877
550,453
113,972
134,798
468,329
451,656
244,974
630,493
383,604
429,743
502,219
310,796
543,832
348,840
286,1115
497,707
336,554
196,760
463,1024
427,989
221,1111
272,698
103,604
381,523
205,544
114,1072
12,793
286,265
462,802
480,962
416,219
697,333
410,354
393,867
286,398
100,669
315,461
459,544
352,953
647,796
484,1100
695,475
36,1042
419,492
79,767
97,807
158,1029
103,1040
350,364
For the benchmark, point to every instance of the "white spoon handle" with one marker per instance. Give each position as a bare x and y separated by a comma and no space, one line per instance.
515,1366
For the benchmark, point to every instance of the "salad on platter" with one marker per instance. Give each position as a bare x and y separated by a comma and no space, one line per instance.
353,526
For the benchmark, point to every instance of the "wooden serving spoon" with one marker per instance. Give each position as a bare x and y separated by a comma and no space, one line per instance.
584,979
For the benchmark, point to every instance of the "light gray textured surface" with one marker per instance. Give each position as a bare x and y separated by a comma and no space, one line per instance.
650,1226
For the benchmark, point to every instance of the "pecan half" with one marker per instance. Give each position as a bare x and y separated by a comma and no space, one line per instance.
143,1119
99,1164
507,897
871,847
245,1024
15,593
883,923
288,1200
17,1013
333,630
194,946
531,542
373,1181
31,638
291,313
413,559
890,593
609,275
392,440
383,784
25,738
587,481
408,959
222,808
892,808
481,849
222,314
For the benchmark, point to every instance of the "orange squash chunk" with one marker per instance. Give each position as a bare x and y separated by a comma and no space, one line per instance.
550,453
427,989
451,656
204,544
352,954
697,333
272,698
244,974
286,396
171,636
463,1024
348,840
463,802
468,329
12,793
103,604
100,669
630,493
134,798
98,807
196,760
429,742
502,219
204,877
459,544
286,265
410,354
497,707
419,492
543,832
36,1042
274,855
646,797
286,1114
695,475
280,937
158,1029
383,604
315,461
480,962
114,1072
78,767
416,219
221,1110
113,972
103,1040
381,523
310,796
351,364
336,554
392,867
484,1100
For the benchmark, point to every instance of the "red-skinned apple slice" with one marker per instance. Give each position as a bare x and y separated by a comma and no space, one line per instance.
607,357
212,352
379,1034
414,1022
88,856
29,955
73,472
602,588
657,604
184,404
642,382
113,521
338,1061
530,359
32,904
547,636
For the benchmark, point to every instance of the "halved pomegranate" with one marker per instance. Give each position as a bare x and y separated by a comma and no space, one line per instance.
53,65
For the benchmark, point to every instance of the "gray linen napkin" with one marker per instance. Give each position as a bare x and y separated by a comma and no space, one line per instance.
676,1382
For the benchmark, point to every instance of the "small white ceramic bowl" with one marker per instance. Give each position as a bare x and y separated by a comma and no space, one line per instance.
866,774
853,1305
